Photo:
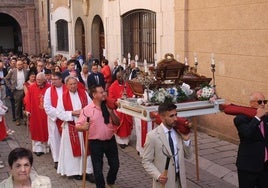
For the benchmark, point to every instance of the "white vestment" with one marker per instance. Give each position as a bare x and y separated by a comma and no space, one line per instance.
68,164
138,131
53,132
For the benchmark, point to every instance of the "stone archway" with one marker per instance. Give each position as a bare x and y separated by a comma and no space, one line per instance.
80,35
25,17
97,37
10,34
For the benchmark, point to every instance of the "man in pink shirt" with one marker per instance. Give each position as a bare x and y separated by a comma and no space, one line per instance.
101,136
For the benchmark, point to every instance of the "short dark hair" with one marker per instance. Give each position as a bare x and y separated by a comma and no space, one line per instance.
57,74
19,153
71,61
105,61
165,107
93,89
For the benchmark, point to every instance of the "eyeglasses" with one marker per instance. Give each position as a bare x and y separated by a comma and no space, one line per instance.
262,101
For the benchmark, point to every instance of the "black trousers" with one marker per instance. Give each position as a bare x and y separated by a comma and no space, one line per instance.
253,179
109,148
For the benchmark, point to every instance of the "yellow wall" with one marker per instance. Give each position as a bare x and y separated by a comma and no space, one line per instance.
237,33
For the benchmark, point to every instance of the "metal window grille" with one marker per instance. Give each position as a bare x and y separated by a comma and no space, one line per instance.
62,35
139,34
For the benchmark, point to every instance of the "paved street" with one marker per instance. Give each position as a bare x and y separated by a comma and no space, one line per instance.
216,163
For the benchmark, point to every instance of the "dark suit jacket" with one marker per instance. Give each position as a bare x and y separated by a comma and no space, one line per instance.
251,151
91,80
67,73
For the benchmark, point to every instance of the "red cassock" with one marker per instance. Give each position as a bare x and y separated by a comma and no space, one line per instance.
34,103
126,123
3,131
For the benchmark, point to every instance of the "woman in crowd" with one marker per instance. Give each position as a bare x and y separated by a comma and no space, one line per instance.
84,74
29,81
20,161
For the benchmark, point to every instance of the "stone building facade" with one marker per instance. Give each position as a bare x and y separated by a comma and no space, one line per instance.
20,25
236,32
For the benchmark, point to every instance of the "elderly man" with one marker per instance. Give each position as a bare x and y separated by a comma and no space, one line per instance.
72,141
14,81
34,107
252,157
162,141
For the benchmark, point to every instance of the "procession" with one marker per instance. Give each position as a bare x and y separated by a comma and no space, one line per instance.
92,96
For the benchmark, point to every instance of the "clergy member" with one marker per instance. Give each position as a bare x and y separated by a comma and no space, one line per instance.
52,105
116,91
72,141
34,107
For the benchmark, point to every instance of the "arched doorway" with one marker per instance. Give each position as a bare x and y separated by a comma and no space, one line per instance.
97,37
10,34
80,35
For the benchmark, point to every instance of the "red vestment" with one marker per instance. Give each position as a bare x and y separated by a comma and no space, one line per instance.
34,103
54,102
73,133
3,131
126,123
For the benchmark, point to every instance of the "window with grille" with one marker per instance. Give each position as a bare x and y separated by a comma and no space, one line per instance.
139,34
62,35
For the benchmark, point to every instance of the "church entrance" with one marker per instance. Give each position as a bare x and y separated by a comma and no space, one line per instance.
97,38
10,34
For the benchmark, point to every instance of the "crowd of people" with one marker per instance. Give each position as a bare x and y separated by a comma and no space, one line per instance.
52,95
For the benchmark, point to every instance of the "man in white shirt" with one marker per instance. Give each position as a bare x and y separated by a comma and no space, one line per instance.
164,141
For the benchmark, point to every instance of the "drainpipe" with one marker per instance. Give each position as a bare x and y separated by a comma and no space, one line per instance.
48,27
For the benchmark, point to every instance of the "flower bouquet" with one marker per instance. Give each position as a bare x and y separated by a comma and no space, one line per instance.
172,94
206,92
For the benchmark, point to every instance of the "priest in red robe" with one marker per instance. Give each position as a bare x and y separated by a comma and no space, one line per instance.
34,107
116,91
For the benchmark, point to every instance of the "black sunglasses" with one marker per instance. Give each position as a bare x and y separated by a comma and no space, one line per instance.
262,101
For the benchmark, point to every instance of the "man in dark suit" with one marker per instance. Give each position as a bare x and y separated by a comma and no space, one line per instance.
115,70
95,78
132,71
70,68
252,157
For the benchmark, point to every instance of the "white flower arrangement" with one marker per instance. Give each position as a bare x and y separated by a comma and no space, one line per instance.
206,92
172,94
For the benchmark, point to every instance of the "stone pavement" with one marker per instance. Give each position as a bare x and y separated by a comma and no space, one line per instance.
216,163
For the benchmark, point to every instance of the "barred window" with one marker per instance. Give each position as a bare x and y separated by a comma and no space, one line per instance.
62,35
139,34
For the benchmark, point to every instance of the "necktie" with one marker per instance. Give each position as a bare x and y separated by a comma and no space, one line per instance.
263,133
97,79
171,144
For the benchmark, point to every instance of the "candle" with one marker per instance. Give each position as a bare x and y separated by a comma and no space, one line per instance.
124,63
212,59
136,60
128,56
195,59
104,52
145,66
155,59
186,61
178,57
118,61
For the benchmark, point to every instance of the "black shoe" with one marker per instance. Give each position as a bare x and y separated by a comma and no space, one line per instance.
90,178
77,177
14,119
56,165
38,154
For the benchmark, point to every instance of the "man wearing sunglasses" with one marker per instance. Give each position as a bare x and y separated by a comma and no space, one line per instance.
252,157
